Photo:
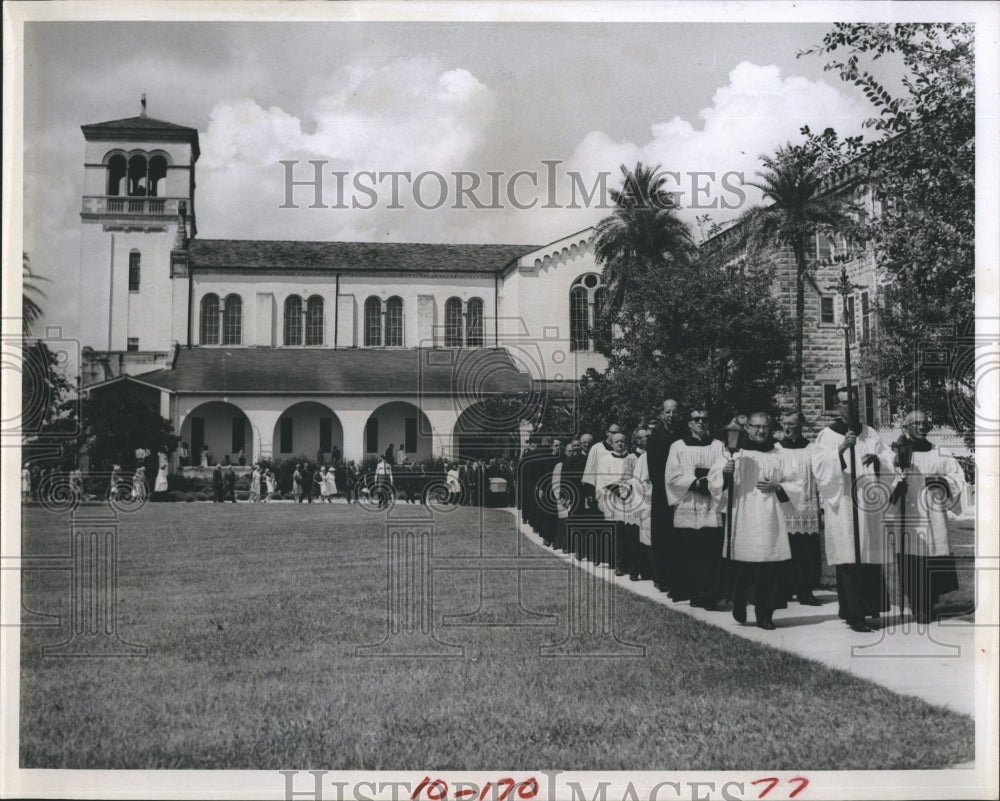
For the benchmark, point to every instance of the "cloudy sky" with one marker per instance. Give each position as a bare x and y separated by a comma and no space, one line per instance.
442,97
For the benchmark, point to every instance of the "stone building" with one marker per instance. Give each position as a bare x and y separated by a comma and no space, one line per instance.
823,344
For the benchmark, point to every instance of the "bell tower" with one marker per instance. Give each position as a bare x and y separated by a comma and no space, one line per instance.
137,217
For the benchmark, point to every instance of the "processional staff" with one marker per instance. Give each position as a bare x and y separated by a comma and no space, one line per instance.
846,288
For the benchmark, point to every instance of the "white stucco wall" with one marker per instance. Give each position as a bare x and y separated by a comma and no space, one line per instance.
534,318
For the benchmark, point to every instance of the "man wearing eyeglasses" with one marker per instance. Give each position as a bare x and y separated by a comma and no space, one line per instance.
694,547
759,552
930,484
860,582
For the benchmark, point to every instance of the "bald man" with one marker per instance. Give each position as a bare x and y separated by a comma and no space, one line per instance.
843,486
933,483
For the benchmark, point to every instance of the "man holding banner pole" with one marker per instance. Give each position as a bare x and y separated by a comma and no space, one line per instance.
853,468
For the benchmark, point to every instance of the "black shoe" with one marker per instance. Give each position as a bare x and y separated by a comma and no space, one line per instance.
740,613
633,577
767,624
808,599
860,625
619,572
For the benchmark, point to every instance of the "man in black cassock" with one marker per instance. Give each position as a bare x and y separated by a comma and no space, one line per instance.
545,501
524,492
661,513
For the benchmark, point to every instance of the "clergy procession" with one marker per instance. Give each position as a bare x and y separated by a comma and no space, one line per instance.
736,521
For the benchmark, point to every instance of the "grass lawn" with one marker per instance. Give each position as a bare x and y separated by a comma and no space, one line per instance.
252,615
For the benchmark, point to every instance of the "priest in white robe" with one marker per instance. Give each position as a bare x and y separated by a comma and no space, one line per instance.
695,552
929,484
611,490
758,553
802,518
642,487
860,583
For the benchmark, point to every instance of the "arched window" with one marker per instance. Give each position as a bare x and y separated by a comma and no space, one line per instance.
137,178
586,301
314,320
578,322
394,322
373,322
209,329
293,320
157,172
453,323
232,320
474,323
116,172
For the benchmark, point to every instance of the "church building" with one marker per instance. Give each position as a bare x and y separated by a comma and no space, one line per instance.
270,349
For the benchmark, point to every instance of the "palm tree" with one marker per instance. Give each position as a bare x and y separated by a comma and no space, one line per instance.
639,242
792,179
31,311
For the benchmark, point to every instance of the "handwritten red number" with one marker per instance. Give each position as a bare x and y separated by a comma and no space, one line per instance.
773,781
528,788
442,791
465,792
803,783
508,785
420,788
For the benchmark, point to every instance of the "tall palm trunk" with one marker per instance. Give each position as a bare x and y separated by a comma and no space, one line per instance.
800,314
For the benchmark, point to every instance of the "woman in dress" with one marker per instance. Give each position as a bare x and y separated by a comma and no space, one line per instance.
269,483
161,474
255,484
329,485
25,483
324,485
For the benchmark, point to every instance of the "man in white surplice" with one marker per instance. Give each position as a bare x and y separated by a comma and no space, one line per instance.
860,583
760,557
930,486
696,536
802,518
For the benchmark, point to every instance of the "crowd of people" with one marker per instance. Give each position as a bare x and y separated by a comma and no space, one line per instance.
394,477
711,523
728,525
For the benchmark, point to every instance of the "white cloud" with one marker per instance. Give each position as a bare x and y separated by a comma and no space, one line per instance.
408,114
754,113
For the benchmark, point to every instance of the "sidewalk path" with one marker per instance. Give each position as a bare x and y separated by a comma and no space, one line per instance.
934,662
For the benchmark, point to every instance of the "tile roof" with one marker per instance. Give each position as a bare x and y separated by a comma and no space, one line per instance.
260,254
144,123
141,128
347,371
